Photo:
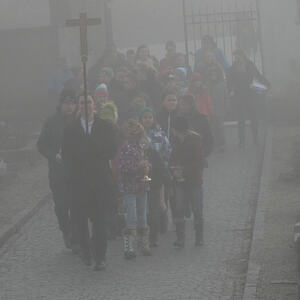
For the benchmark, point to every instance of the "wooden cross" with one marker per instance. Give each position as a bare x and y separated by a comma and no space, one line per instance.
83,22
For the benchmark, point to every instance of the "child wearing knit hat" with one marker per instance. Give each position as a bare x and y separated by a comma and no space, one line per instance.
109,112
101,96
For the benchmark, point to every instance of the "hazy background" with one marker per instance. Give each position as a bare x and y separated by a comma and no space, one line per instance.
33,37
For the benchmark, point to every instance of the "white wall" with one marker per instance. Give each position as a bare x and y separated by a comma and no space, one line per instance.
23,13
69,37
281,43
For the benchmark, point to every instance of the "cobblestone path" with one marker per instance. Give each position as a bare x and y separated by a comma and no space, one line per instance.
36,265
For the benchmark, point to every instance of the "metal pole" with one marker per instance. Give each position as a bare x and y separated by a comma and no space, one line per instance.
185,33
84,61
260,40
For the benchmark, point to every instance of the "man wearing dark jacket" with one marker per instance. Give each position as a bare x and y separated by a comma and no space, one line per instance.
86,153
197,122
187,166
49,145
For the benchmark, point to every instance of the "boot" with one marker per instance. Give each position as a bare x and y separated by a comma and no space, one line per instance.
180,234
67,240
143,241
86,257
199,235
128,238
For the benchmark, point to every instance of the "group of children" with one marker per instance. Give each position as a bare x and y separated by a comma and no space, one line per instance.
140,153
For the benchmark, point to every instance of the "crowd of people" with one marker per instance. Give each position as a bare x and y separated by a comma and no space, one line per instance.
134,153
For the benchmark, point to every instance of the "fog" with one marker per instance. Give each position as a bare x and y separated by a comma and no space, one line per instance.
40,59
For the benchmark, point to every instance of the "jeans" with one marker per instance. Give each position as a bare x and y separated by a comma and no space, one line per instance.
136,210
194,195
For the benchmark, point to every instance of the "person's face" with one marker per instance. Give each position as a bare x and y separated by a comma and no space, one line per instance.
171,50
129,83
208,45
185,108
170,102
239,59
68,108
130,56
99,101
103,78
147,120
138,103
143,53
210,58
120,75
90,106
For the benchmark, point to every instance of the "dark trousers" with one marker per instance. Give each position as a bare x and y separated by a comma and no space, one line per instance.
217,127
89,206
194,196
62,205
246,110
154,214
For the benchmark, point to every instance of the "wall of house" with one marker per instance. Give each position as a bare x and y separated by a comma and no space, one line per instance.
23,13
281,44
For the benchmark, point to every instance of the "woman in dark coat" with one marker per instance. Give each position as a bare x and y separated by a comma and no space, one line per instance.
86,153
240,80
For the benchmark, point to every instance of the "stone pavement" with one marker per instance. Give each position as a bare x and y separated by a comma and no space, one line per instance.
36,266
276,255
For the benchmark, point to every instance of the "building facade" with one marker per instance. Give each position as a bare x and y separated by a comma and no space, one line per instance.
281,46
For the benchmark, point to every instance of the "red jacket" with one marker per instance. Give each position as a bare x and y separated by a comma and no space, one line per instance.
203,103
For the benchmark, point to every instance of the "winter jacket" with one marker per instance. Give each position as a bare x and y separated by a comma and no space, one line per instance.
240,81
160,142
158,171
203,103
49,145
165,119
189,155
130,175
86,157
199,124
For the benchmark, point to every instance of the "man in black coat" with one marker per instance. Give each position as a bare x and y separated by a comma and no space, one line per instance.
86,153
49,145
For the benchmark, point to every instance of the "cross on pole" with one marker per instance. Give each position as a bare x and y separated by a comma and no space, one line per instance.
83,22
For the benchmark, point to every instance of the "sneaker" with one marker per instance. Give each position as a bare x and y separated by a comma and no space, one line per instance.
86,259
178,245
67,240
199,243
153,244
75,249
99,266
129,255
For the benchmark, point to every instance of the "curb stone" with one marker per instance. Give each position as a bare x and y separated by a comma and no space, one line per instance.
21,219
254,266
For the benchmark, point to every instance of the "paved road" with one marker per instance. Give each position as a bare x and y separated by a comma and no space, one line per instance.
36,266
